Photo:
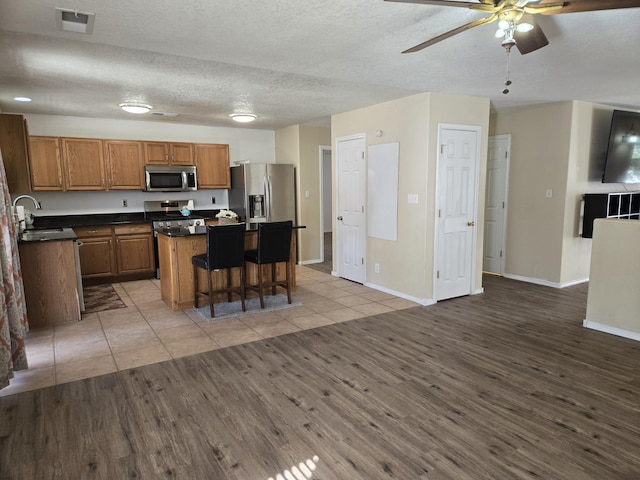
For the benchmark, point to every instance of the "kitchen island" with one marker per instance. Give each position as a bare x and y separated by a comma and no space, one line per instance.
175,249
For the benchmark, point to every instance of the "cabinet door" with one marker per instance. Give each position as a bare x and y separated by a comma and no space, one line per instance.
156,153
83,159
124,164
135,253
181,154
15,152
45,163
212,163
96,257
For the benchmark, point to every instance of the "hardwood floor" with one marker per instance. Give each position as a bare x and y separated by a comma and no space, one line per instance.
502,385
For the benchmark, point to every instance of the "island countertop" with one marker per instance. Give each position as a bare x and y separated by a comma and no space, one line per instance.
202,230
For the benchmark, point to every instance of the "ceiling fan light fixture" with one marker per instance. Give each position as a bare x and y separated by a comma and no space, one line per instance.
504,24
500,33
137,108
524,27
243,117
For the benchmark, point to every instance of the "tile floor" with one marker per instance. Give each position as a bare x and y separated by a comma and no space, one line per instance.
148,331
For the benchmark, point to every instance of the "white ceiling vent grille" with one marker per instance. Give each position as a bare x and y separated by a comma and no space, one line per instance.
75,21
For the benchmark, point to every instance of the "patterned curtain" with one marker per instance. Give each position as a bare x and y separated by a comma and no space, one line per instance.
13,311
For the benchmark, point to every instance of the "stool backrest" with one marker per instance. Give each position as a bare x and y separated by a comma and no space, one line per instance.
274,241
225,245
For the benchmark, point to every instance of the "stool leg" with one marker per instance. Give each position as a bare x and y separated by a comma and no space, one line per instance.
210,294
274,280
243,292
195,286
260,286
288,283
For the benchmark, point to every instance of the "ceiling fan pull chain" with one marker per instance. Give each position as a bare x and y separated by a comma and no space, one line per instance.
507,82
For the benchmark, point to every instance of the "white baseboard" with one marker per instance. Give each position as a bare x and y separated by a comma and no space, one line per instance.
309,262
422,301
546,283
611,330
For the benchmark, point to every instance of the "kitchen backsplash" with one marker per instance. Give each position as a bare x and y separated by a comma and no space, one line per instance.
78,203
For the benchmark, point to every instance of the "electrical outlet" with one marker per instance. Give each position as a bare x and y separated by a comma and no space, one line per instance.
213,199
124,202
376,268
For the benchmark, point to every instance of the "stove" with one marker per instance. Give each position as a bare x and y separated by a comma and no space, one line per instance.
166,217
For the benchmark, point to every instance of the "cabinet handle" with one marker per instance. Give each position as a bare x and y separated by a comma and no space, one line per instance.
59,181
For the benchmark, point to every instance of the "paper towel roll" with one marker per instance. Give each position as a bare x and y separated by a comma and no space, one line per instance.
190,205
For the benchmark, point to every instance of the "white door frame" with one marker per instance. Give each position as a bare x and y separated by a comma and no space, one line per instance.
503,247
478,130
321,151
337,240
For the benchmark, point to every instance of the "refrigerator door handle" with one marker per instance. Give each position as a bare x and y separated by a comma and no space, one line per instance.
267,203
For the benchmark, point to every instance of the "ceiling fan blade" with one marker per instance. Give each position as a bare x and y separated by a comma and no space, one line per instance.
527,42
451,33
448,3
575,6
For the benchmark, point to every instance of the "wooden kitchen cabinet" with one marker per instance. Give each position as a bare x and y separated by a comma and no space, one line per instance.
97,252
83,159
124,162
134,245
45,163
15,152
164,153
212,164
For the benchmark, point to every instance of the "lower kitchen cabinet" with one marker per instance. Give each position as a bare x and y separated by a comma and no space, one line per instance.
50,282
110,252
134,249
97,253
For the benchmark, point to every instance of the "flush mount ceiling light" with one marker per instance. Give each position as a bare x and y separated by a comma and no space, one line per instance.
135,107
243,117
22,99
75,21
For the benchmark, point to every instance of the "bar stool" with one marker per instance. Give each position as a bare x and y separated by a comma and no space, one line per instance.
225,250
274,246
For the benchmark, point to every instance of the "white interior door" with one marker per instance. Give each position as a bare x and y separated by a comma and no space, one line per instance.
496,203
457,186
350,224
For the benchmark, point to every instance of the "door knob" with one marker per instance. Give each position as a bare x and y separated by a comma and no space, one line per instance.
471,223
340,218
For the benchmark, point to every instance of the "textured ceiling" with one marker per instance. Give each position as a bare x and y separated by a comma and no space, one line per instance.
296,62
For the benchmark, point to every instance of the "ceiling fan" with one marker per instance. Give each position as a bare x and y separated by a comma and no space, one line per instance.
516,23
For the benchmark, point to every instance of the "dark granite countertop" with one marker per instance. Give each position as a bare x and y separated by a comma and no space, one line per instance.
46,235
70,221
202,230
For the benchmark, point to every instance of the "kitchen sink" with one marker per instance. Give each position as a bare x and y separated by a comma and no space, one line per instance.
47,234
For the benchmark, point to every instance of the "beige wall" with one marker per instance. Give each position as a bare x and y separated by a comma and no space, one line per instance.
407,265
613,302
300,145
562,147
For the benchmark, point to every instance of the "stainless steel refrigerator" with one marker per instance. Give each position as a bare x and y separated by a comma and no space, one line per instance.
263,192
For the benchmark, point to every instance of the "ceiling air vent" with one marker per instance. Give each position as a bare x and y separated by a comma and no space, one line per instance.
164,114
75,21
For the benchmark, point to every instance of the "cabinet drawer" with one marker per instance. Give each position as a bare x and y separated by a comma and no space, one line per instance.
100,231
135,228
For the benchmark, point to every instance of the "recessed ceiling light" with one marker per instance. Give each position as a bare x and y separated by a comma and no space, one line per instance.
22,99
243,117
135,107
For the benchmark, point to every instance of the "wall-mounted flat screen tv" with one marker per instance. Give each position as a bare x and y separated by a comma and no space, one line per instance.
623,155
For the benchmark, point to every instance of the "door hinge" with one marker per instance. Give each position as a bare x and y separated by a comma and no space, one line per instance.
362,260
362,208
442,148
363,154
500,253
437,273
506,154
502,204
439,213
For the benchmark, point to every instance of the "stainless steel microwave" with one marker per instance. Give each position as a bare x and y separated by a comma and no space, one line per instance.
160,178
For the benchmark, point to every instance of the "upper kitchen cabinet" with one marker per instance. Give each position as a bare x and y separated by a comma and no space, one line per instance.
15,152
45,163
163,153
84,163
124,160
212,165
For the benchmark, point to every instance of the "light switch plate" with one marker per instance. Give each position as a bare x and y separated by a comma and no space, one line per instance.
412,198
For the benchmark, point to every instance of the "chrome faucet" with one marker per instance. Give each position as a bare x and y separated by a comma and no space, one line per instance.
35,202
